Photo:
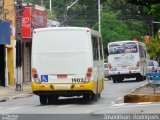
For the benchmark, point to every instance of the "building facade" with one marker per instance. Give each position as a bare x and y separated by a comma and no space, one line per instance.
10,16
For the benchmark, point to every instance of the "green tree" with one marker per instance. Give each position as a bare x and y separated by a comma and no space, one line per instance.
113,29
154,49
133,16
151,6
51,15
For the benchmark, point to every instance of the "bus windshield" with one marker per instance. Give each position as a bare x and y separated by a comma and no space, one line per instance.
123,47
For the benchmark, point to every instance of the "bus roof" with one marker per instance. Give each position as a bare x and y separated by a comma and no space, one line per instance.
93,32
125,41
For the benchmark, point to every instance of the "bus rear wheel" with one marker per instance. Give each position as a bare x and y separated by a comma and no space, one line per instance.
94,97
139,78
43,99
120,79
52,99
114,79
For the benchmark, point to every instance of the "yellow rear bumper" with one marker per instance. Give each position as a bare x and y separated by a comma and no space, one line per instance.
91,86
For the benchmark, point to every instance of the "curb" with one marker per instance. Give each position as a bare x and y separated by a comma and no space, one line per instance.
135,98
16,97
20,96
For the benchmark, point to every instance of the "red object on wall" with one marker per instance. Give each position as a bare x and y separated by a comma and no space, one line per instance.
26,22
32,18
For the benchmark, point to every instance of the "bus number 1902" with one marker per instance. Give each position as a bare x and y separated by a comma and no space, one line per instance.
78,80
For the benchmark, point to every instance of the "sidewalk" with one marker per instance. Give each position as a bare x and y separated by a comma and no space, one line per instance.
9,93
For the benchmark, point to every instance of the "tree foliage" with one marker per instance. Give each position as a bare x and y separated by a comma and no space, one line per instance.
121,21
116,30
51,15
154,48
151,6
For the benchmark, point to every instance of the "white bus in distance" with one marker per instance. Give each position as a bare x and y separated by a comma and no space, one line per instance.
67,61
127,59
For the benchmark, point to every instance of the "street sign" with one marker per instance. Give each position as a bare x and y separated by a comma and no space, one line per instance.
44,78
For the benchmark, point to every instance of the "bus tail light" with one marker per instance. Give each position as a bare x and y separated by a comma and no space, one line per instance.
88,75
138,63
35,76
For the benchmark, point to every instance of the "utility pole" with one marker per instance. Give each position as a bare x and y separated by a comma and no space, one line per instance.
99,15
18,81
41,2
65,17
50,5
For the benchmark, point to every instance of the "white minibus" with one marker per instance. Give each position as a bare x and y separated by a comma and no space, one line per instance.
67,61
127,59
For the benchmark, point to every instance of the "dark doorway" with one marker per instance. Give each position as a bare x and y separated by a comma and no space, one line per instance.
2,65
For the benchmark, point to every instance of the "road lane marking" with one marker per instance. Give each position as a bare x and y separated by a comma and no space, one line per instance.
144,103
121,104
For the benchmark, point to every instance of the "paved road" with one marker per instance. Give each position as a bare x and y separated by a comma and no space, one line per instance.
111,96
111,102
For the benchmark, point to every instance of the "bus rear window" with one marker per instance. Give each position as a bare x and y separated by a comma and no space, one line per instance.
127,47
150,63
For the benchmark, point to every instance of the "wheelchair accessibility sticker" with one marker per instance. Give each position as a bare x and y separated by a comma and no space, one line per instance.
44,78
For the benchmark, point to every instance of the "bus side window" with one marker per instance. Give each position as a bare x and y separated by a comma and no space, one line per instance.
95,48
145,54
101,49
142,51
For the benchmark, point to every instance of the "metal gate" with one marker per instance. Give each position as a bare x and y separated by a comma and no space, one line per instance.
27,62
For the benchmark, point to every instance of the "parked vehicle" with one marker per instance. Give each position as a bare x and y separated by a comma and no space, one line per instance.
106,71
127,59
152,66
67,61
